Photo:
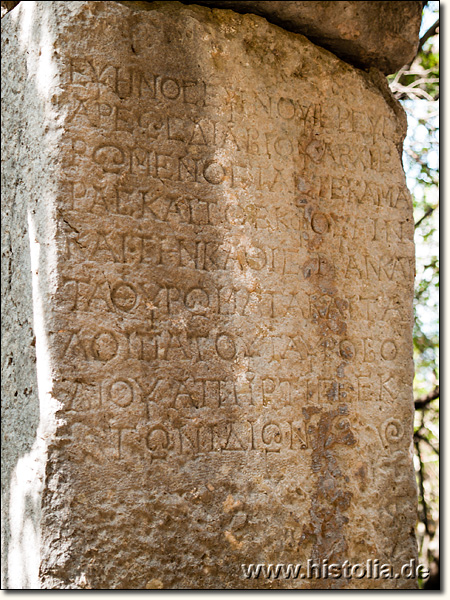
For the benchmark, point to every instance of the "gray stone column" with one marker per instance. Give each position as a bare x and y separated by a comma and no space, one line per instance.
208,304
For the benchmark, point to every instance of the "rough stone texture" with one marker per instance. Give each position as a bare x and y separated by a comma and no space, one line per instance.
30,180
384,35
221,281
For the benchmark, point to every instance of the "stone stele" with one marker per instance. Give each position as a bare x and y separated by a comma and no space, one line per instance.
208,297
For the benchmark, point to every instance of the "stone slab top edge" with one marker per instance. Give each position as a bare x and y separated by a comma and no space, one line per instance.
379,34
373,33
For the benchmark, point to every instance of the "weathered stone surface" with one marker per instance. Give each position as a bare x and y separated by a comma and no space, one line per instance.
384,35
221,283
